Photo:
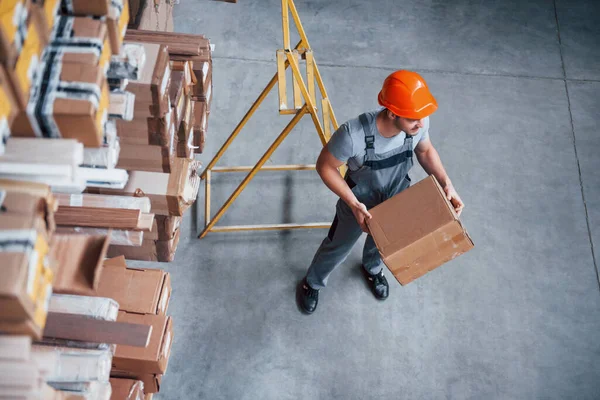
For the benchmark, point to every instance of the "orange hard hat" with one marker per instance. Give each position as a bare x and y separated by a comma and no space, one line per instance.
406,94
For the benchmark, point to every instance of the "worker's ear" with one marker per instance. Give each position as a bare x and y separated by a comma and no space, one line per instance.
391,115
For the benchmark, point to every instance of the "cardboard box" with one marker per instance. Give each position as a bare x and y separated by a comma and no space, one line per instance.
142,130
20,54
27,204
154,358
169,194
142,157
417,231
15,24
126,389
78,109
137,290
150,250
47,12
8,107
96,8
117,20
152,87
151,381
25,271
200,126
82,40
156,19
80,262
164,228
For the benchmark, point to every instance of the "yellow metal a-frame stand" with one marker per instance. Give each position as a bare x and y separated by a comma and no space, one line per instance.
305,102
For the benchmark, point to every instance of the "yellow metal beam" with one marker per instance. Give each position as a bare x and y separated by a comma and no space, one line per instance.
254,170
310,75
296,167
311,106
297,93
299,27
270,227
281,79
207,198
244,120
286,22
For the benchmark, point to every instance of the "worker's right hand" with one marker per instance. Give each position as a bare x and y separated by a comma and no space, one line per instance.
361,214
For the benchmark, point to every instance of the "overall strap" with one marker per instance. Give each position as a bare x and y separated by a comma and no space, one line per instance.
369,137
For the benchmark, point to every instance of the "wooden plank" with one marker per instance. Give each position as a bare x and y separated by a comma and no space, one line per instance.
103,201
178,43
85,329
145,222
118,218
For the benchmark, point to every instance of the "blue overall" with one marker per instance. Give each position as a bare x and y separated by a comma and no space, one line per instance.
381,177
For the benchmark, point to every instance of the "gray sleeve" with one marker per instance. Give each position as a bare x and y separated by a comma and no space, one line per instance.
425,134
340,144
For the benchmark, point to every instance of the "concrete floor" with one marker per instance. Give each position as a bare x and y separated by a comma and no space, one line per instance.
517,129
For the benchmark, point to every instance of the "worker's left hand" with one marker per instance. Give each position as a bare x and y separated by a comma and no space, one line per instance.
454,198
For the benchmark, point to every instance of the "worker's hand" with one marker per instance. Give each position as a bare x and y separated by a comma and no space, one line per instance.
454,198
361,214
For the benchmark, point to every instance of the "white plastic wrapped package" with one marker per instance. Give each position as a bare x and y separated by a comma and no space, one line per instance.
101,308
104,201
117,236
65,364
88,390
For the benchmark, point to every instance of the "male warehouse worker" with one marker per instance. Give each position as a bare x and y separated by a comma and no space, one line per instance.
378,148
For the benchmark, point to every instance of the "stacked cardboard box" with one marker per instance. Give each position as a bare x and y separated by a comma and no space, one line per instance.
170,92
143,296
26,229
156,15
54,58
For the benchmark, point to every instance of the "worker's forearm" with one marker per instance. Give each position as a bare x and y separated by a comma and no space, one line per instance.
334,181
432,164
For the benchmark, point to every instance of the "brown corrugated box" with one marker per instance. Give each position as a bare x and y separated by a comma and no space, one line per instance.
21,64
150,250
97,8
117,20
170,194
10,49
177,95
137,290
21,202
200,125
156,15
151,381
81,50
142,130
152,87
164,228
47,12
126,389
26,283
8,102
418,230
79,260
154,358
143,157
75,118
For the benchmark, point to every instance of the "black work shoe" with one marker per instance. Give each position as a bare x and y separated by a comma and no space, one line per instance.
378,283
308,297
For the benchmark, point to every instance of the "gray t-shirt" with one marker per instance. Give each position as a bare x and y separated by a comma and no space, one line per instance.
347,144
